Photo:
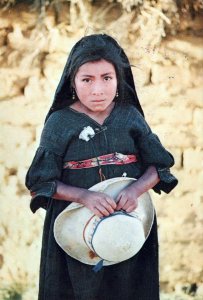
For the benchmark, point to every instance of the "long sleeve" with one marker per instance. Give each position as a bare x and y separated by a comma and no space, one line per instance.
41,177
152,152
46,166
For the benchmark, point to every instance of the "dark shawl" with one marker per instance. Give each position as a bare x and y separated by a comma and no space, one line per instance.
92,48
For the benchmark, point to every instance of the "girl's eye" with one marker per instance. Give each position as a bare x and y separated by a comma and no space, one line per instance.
86,80
107,78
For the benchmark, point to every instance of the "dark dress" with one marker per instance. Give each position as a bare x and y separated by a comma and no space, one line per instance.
124,131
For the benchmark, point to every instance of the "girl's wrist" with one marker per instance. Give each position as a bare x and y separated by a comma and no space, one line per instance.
80,196
69,193
135,189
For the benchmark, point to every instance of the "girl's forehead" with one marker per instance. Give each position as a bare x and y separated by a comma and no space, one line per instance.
96,67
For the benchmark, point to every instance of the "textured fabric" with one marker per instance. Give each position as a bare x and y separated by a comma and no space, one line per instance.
62,277
107,159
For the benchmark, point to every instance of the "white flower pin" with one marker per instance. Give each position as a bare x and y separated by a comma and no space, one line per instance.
87,133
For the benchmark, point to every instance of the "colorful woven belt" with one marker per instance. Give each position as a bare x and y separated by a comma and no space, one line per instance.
107,159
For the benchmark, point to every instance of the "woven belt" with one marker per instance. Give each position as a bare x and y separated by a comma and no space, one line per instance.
107,159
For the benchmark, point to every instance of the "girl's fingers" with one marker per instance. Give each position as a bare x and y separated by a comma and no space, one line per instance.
122,201
111,202
101,204
107,206
118,202
129,209
103,210
130,205
97,212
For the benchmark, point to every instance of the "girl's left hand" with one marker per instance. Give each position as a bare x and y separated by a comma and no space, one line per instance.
127,200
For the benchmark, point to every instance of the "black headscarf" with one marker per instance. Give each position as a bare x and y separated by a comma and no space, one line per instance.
93,48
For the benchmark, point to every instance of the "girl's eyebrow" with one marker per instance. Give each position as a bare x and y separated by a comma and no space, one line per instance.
109,73
105,74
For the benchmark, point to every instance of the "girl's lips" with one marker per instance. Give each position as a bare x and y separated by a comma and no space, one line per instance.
98,101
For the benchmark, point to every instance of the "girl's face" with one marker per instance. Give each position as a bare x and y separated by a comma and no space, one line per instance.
96,85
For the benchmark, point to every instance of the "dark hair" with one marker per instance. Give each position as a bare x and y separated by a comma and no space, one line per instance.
93,48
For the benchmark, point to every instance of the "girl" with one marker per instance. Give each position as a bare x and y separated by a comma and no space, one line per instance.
96,117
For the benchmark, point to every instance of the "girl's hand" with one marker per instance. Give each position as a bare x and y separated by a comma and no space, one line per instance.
127,200
99,203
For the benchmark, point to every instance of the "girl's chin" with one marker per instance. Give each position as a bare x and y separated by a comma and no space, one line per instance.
99,107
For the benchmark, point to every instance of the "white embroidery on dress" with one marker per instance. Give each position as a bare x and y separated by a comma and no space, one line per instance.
87,133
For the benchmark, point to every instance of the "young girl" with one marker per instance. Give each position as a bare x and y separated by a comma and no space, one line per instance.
96,116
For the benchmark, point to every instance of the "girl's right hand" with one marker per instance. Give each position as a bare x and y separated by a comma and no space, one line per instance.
99,203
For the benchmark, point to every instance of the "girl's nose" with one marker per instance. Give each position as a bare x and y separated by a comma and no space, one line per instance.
97,89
